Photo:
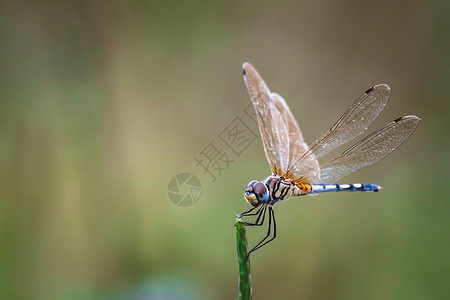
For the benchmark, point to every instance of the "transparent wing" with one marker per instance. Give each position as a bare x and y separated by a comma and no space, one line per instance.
297,145
369,150
274,133
355,121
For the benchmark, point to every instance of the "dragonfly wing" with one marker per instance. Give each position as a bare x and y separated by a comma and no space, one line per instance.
274,132
355,121
369,150
297,145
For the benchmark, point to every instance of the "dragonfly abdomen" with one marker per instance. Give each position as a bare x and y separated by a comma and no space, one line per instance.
346,187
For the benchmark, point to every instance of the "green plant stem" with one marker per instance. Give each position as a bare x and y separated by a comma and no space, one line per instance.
245,284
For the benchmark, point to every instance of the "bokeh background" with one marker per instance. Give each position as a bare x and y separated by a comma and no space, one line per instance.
103,102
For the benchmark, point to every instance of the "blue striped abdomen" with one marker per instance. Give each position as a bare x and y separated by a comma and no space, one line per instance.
347,187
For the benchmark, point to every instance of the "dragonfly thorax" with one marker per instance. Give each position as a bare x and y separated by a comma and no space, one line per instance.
279,188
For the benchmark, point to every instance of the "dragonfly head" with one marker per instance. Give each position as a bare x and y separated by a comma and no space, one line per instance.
256,193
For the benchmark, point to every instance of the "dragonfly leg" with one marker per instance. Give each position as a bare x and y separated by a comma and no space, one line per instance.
261,212
263,242
248,213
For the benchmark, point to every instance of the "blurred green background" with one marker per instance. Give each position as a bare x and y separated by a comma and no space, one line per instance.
103,102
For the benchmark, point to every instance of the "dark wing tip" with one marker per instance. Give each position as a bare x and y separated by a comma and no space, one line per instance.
379,87
407,117
369,90
247,69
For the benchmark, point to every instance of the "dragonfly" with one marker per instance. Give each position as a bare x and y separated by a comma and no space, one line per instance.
294,165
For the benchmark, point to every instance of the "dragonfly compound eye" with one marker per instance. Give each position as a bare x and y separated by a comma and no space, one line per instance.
260,188
251,185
